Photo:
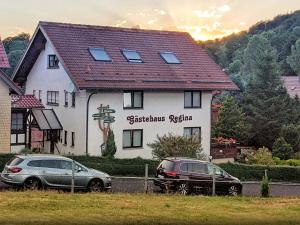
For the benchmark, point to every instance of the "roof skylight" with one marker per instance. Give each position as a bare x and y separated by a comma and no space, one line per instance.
170,57
99,54
132,56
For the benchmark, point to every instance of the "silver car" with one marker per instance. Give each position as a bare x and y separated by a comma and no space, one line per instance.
39,171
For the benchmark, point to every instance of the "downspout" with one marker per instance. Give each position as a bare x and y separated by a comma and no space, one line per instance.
214,94
87,123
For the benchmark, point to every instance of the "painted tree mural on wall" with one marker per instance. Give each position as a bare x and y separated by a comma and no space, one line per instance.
105,118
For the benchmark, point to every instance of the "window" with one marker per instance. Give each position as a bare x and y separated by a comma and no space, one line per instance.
53,62
132,56
40,95
15,161
73,139
51,164
52,97
66,98
33,92
219,171
133,99
66,138
99,54
66,165
35,163
192,131
132,138
170,58
17,122
192,99
73,99
194,167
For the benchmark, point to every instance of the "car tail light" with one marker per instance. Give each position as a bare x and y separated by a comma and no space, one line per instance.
171,174
15,169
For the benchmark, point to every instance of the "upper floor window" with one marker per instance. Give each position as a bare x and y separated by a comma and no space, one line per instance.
40,95
53,61
52,97
34,92
73,99
133,100
66,98
170,57
132,56
73,139
192,99
99,54
17,122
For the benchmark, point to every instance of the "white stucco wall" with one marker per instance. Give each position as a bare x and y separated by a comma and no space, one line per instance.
155,104
71,118
74,119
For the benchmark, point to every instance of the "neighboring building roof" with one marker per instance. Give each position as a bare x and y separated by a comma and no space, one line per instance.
292,84
3,57
26,102
7,80
72,42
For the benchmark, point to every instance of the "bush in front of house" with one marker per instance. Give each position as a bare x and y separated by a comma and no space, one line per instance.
262,157
265,187
176,146
111,147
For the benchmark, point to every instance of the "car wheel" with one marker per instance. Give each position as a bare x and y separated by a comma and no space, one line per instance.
95,186
233,191
183,189
32,184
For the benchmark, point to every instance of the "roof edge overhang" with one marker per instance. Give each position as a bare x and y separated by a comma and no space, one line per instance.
44,33
10,83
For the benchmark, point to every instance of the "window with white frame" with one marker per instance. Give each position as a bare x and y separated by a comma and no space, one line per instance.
132,138
192,99
192,132
133,100
52,97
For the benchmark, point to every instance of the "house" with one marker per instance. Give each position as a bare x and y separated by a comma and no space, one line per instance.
156,82
292,85
6,88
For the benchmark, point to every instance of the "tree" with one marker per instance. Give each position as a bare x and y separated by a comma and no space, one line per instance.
291,134
294,59
232,122
281,149
265,100
263,156
111,148
176,146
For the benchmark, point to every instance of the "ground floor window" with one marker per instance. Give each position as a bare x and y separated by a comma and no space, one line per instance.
73,139
192,131
17,122
132,138
66,137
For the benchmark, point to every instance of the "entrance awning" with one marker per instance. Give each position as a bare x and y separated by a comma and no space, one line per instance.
46,119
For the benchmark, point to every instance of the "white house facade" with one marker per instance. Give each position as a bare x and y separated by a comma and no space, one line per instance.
157,83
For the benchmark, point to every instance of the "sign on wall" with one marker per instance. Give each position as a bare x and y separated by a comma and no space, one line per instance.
156,119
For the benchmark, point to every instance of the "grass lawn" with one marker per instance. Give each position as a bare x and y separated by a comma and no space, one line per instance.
42,208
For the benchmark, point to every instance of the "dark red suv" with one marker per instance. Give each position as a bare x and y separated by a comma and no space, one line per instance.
186,176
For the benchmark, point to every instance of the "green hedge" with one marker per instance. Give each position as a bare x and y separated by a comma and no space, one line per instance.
256,172
136,167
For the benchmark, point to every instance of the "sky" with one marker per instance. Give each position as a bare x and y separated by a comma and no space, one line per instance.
203,19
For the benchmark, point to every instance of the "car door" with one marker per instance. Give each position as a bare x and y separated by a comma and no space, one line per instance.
51,172
81,176
221,180
198,175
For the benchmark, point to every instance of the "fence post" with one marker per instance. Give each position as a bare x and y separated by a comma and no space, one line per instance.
214,182
72,183
146,179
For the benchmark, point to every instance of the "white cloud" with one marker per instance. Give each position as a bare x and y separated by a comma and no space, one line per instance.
151,22
242,23
224,8
205,13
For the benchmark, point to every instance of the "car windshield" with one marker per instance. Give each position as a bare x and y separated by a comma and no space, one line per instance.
166,164
15,161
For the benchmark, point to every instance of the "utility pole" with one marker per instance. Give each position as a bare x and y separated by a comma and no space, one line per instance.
73,172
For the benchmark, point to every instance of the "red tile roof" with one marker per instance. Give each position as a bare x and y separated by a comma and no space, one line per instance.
26,102
7,80
292,84
3,58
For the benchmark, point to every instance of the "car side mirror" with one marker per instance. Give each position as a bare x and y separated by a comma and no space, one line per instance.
79,170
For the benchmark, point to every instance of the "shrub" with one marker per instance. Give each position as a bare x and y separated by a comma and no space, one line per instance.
281,149
262,156
265,187
111,148
176,146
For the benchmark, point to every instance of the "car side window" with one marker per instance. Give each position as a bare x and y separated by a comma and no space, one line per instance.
184,167
197,168
219,171
35,163
55,164
66,165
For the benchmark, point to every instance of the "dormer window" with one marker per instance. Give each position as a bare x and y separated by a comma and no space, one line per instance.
53,62
132,56
169,57
99,54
